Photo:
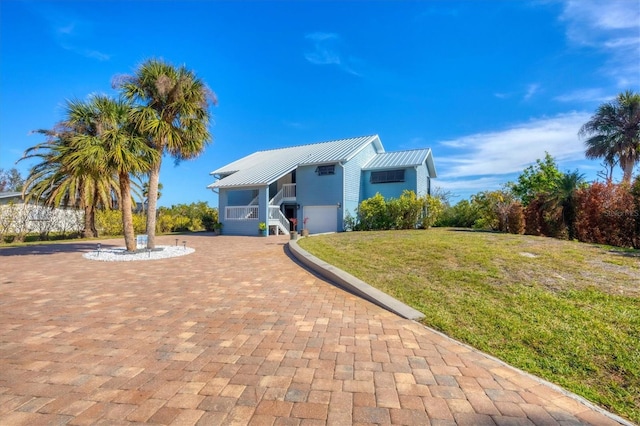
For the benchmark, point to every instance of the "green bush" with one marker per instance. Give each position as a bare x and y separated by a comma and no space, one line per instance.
406,212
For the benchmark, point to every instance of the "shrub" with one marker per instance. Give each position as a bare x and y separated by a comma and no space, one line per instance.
515,219
608,214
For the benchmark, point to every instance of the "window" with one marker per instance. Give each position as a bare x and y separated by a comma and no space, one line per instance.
387,176
326,170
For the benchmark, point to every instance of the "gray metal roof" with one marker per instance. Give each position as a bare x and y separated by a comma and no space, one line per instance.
265,167
10,194
402,159
389,160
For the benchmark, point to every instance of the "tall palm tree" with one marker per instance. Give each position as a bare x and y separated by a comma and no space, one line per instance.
614,133
55,183
173,114
112,147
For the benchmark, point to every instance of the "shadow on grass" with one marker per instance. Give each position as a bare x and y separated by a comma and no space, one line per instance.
471,230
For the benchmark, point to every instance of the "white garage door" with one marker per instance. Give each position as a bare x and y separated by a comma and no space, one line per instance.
321,219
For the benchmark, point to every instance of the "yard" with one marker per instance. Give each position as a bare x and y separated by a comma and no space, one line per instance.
565,311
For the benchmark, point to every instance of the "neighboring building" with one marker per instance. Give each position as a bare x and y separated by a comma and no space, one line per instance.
8,197
323,182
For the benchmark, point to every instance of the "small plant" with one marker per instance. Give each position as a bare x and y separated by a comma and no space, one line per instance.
304,222
294,222
262,226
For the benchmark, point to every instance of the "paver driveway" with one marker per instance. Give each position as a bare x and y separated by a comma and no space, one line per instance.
235,333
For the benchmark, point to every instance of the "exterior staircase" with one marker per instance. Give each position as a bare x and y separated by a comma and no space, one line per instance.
276,217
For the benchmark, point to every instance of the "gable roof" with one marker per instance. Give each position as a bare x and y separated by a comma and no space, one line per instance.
265,167
402,159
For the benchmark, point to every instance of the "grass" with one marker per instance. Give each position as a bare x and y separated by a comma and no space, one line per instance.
565,311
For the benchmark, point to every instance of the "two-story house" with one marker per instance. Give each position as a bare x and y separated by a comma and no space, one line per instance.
318,184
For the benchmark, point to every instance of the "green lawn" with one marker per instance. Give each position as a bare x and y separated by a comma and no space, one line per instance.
565,311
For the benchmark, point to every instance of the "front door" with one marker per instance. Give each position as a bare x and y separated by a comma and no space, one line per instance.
290,212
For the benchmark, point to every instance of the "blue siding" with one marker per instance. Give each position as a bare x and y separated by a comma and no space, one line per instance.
240,227
228,197
353,183
392,189
240,197
314,190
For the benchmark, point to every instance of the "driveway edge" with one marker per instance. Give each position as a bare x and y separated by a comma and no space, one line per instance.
352,284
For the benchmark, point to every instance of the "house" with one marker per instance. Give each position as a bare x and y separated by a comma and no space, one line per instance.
321,182
10,197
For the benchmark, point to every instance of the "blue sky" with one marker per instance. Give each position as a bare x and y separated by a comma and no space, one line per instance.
488,85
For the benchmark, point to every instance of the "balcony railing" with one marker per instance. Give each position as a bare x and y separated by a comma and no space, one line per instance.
241,213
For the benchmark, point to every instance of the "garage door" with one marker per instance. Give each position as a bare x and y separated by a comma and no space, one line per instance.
321,219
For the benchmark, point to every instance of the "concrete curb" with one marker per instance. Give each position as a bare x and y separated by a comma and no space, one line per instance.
352,284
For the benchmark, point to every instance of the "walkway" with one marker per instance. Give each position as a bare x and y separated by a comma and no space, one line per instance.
235,333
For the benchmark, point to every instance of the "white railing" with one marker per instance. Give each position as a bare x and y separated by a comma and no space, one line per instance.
288,191
275,215
241,213
275,201
254,202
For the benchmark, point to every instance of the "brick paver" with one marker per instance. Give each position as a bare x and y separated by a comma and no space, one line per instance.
235,333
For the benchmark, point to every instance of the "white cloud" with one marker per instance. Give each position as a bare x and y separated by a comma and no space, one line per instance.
611,26
585,95
70,31
511,150
531,90
326,51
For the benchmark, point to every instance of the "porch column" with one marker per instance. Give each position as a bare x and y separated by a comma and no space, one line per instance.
263,204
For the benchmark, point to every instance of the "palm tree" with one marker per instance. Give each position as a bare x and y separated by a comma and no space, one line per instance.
614,133
55,183
173,114
562,199
112,147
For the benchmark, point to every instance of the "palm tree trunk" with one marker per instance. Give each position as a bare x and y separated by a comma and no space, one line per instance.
127,215
627,170
92,217
87,232
154,177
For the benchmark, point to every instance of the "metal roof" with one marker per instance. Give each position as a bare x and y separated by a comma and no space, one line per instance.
401,159
10,194
389,160
265,167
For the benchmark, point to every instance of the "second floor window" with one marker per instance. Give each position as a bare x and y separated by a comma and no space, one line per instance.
387,176
326,170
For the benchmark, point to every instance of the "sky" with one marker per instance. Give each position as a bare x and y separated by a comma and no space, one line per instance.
489,86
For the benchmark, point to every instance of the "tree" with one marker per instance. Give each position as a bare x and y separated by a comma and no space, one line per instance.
173,115
113,147
55,183
10,180
536,179
562,200
493,209
614,133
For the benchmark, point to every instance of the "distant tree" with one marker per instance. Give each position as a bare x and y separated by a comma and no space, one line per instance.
10,180
536,179
562,200
493,209
463,214
614,133
173,115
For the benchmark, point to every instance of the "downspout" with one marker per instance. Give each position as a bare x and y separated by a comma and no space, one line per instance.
341,203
